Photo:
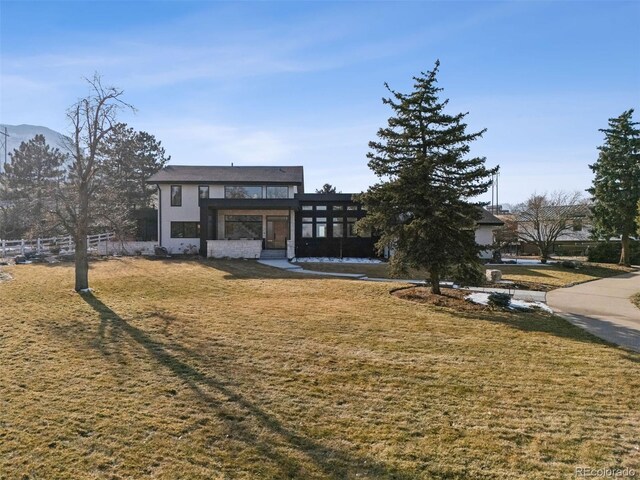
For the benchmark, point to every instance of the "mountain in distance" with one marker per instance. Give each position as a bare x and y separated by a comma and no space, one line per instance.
24,133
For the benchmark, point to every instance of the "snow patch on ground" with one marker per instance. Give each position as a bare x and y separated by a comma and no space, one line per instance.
483,299
335,260
86,290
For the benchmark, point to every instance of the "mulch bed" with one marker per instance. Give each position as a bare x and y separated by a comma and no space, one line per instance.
450,298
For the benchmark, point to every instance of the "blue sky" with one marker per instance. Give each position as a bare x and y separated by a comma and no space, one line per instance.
302,82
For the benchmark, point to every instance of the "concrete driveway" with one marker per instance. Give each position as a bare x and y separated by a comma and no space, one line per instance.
602,307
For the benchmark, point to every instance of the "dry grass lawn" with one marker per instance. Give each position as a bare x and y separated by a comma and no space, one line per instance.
530,276
221,370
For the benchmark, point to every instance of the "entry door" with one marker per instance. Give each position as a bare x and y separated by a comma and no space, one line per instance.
277,232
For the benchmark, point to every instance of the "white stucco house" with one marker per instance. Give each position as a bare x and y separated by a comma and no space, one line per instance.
262,211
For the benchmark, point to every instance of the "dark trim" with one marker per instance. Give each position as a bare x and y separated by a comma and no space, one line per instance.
223,182
204,226
249,203
159,215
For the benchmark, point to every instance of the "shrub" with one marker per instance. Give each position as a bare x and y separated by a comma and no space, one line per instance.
502,300
468,275
570,264
609,252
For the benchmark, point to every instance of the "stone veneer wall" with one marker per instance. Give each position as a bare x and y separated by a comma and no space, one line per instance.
234,248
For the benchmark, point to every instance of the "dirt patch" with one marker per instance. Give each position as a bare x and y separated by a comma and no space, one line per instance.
450,298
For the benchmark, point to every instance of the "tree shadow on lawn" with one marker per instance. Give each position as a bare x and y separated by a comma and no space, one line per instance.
333,463
545,323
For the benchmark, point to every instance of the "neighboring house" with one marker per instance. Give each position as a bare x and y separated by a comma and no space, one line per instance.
485,232
254,212
577,237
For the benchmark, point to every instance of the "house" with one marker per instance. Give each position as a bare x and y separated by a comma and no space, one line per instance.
258,212
573,222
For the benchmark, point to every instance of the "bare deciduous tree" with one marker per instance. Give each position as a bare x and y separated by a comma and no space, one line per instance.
91,118
543,218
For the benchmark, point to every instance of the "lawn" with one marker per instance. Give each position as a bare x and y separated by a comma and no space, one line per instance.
530,276
211,370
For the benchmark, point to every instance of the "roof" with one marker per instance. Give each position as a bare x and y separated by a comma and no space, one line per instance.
489,218
325,197
554,212
226,174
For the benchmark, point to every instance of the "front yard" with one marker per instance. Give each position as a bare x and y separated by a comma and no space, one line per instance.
202,369
537,277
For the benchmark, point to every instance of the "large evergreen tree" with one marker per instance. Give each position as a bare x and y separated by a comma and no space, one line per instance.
130,157
423,206
616,184
28,186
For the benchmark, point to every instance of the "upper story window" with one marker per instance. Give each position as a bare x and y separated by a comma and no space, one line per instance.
577,224
352,207
321,207
203,191
176,195
277,192
243,191
307,207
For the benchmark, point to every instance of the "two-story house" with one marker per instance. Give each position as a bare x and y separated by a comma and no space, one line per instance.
258,212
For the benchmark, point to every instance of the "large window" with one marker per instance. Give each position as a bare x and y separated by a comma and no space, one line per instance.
277,192
351,227
321,227
246,191
307,227
243,226
176,195
185,229
203,191
338,228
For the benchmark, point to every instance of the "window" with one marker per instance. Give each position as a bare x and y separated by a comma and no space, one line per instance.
307,207
243,192
307,227
352,207
338,230
185,229
277,192
337,208
203,191
577,225
243,226
321,227
321,207
176,195
351,227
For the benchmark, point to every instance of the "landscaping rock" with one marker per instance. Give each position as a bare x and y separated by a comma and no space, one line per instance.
493,276
161,252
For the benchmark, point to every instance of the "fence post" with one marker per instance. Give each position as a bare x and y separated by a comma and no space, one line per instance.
22,247
38,245
4,248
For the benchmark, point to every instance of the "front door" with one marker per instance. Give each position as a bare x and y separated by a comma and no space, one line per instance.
277,232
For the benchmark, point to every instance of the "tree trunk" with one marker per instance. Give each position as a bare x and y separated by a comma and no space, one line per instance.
82,260
624,254
544,254
435,282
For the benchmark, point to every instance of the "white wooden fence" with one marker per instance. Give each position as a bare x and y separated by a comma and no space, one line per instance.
9,248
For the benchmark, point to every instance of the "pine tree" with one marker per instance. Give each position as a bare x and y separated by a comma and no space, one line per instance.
130,157
326,188
616,185
422,207
29,182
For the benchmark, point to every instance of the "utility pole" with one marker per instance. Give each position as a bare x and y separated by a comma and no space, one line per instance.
3,143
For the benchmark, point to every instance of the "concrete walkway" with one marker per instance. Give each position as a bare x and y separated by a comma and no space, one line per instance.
602,307
284,264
